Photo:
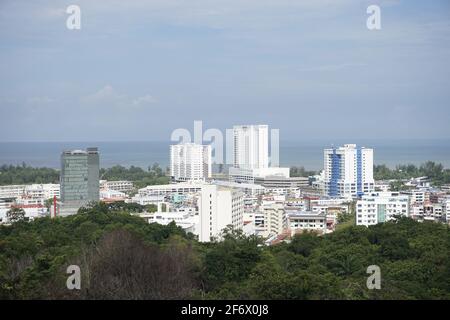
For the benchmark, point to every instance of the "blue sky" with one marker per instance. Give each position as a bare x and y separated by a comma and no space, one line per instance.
139,69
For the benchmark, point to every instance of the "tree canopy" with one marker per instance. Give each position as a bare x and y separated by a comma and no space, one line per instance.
24,174
122,256
434,171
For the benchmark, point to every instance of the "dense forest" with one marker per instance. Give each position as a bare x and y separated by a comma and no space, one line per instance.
122,257
141,178
24,174
435,171
154,174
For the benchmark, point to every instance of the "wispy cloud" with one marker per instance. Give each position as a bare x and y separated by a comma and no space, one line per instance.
333,67
39,100
144,100
107,97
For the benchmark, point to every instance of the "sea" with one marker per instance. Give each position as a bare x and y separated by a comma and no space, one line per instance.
305,153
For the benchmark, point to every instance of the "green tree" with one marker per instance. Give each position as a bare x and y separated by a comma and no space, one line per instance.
231,259
15,215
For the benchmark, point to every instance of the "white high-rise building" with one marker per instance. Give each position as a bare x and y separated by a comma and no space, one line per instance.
218,208
348,171
251,155
190,162
251,146
381,207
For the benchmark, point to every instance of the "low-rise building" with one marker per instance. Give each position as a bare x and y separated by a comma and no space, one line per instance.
275,220
282,182
245,175
380,207
249,189
122,186
300,221
183,219
109,196
447,209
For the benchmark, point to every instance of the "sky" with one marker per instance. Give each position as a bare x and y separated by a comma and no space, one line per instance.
137,70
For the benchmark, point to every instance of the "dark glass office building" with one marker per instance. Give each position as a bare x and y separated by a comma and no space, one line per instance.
80,177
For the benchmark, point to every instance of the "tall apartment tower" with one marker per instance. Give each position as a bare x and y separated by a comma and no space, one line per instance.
348,171
190,162
79,177
251,146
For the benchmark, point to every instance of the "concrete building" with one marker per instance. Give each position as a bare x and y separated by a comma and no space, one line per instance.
5,205
251,155
275,220
434,212
417,196
12,191
108,196
121,186
251,146
300,221
348,171
282,182
219,207
171,189
249,189
190,162
380,207
252,175
79,179
183,219
159,193
383,185
447,209
45,191
332,208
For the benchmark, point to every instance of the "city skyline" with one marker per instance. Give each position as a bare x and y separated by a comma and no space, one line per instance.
295,65
224,155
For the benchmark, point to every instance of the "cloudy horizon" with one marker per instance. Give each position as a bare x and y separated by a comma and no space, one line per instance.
138,70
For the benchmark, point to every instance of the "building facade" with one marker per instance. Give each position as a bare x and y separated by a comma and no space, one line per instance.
122,185
251,146
79,177
300,221
275,220
348,171
190,162
282,182
380,207
219,207
447,209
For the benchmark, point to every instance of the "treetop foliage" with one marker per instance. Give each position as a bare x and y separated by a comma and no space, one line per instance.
435,171
24,174
123,257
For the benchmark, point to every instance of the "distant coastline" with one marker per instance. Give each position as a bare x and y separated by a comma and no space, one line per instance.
305,153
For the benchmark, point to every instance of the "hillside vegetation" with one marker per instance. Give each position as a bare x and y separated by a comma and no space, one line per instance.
123,257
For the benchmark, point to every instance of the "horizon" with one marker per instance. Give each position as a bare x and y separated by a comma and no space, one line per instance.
300,153
313,139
